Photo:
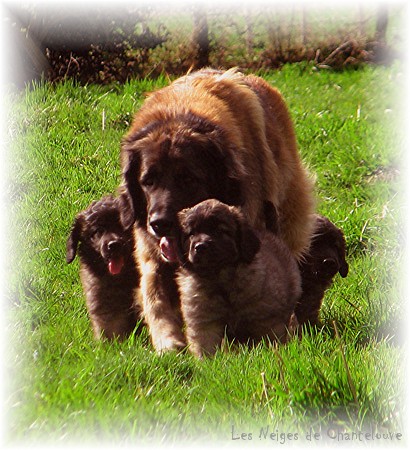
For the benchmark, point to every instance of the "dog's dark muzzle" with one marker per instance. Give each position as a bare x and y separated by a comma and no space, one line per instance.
161,226
202,252
113,248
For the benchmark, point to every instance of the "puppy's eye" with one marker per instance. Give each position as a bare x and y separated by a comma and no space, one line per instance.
224,229
97,231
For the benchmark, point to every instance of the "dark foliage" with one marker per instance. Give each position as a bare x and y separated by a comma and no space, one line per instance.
112,44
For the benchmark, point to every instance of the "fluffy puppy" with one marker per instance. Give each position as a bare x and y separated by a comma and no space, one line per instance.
233,279
326,257
107,268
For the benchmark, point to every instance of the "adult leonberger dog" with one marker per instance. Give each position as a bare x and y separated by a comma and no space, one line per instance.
209,134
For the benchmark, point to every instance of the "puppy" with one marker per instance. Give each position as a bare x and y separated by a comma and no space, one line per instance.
107,268
326,257
233,279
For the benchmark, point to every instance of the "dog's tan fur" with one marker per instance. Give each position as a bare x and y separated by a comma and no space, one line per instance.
254,132
251,295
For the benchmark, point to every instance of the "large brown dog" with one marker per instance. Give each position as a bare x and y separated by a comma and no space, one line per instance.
233,279
217,135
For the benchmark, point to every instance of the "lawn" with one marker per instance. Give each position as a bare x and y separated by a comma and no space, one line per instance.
62,386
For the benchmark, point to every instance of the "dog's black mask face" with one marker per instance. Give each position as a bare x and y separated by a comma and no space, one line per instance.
214,236
175,165
102,240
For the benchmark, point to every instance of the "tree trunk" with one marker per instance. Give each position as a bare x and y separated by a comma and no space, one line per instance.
304,27
200,37
248,31
362,32
381,23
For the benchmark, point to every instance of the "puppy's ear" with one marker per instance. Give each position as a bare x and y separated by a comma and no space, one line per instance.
341,254
271,217
182,215
74,239
249,243
344,267
135,208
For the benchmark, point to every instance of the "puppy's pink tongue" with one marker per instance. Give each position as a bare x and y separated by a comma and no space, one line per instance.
115,265
168,250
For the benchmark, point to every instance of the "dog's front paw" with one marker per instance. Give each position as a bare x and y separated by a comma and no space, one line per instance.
165,344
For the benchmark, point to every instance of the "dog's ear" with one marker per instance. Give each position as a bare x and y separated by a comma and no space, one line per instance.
249,243
271,217
236,173
233,192
74,239
181,235
133,205
341,254
344,267
225,168
230,174
182,216
126,209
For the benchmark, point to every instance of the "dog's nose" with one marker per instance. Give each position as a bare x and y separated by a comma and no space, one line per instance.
201,247
114,246
161,227
330,266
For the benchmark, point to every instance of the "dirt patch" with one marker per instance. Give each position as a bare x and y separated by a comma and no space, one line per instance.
386,174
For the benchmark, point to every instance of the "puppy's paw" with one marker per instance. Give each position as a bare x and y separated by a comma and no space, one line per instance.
293,327
200,352
165,344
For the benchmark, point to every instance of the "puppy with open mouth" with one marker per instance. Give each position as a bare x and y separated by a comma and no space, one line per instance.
233,280
107,268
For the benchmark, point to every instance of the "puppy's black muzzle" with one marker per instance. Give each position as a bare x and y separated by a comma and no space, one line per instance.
113,247
200,248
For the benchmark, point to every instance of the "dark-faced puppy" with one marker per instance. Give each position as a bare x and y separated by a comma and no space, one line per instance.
326,257
107,268
233,279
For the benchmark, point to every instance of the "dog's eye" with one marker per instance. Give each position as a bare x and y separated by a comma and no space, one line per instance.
97,231
148,180
185,180
224,229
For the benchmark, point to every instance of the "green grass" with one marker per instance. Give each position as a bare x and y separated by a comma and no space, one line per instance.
64,387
